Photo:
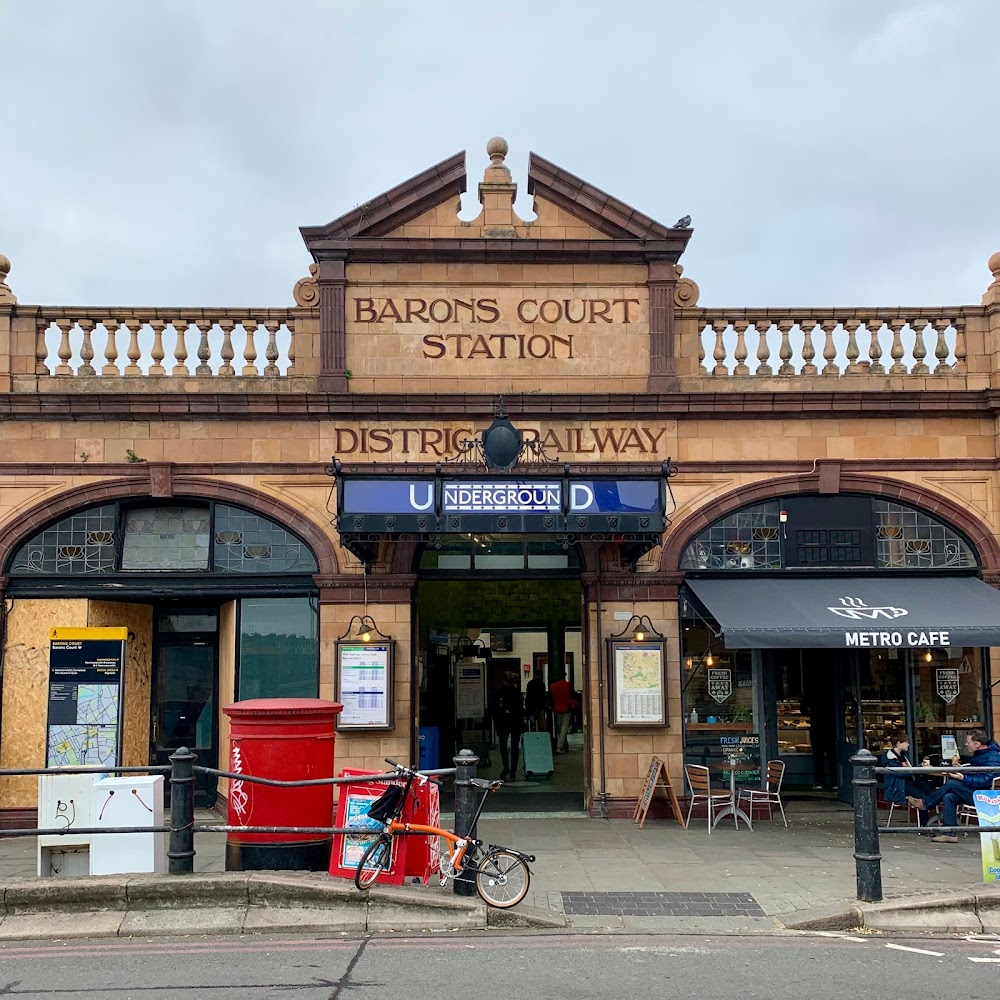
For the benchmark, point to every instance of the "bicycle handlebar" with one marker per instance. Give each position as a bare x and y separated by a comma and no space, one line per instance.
420,775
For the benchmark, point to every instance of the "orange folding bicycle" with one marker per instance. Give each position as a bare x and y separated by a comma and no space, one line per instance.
502,875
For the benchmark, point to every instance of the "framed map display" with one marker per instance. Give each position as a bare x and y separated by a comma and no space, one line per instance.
638,683
85,697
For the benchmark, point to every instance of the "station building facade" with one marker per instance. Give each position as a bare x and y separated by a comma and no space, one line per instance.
751,533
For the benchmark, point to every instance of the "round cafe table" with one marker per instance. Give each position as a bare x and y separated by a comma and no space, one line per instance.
733,809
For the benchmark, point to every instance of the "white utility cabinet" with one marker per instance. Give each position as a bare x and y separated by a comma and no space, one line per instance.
127,801
64,804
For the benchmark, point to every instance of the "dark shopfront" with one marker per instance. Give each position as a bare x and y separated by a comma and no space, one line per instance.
818,662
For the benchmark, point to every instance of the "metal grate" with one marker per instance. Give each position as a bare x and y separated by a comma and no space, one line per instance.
662,904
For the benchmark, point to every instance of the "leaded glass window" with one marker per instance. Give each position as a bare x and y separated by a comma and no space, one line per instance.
755,538
166,538
79,544
910,539
746,539
123,538
248,543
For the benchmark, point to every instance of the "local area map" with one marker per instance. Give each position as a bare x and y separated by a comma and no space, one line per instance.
638,684
93,738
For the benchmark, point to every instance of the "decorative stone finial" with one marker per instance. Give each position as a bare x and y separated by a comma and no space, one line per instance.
497,149
6,295
993,292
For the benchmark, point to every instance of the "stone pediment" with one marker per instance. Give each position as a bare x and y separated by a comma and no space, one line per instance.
427,205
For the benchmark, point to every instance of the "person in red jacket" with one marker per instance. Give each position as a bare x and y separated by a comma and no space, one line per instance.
563,703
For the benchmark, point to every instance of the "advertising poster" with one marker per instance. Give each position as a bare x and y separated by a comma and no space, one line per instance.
946,682
720,683
85,697
744,753
638,684
988,814
356,814
364,683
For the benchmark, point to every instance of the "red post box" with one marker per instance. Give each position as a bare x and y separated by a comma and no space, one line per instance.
287,739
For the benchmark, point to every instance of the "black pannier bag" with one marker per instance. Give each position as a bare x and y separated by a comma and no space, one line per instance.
385,806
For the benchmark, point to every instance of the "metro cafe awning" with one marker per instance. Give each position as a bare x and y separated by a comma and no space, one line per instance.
845,612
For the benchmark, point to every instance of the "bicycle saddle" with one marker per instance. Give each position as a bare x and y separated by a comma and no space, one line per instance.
486,783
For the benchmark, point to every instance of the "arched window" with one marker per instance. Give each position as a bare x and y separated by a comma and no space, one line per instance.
128,538
840,532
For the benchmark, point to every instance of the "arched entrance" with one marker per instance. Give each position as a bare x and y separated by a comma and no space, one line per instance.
496,615
218,598
818,623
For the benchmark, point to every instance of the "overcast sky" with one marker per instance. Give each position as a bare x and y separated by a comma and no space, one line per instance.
830,152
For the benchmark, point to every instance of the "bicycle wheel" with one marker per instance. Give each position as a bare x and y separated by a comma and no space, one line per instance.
373,861
502,878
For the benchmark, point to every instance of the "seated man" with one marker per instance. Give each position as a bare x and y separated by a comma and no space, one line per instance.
900,788
959,788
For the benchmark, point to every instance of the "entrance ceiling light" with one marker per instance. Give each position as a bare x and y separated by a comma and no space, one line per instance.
928,657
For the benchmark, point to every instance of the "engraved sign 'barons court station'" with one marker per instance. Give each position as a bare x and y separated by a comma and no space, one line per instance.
535,314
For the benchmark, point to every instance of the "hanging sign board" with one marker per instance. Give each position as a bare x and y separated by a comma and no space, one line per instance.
638,684
364,684
946,683
720,683
988,814
85,697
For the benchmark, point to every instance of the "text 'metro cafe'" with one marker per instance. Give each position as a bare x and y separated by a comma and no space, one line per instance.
477,452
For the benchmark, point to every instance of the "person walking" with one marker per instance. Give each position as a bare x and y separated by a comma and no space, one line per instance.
536,700
961,788
561,695
508,719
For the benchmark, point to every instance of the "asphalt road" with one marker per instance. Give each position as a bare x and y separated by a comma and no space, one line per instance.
515,967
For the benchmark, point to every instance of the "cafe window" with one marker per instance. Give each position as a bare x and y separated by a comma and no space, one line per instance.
947,690
845,531
720,715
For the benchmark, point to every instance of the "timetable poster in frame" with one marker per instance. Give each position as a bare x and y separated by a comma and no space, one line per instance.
364,684
638,683
85,704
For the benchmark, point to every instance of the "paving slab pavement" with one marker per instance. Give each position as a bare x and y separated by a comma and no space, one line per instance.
802,877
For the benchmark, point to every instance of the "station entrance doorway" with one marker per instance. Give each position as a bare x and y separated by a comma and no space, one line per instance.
476,637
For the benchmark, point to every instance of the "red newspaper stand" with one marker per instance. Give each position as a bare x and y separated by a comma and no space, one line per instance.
289,739
412,857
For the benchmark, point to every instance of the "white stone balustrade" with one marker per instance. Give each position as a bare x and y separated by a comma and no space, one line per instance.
850,342
159,343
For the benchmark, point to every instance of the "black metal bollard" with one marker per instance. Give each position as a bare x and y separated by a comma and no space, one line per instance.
867,856
180,849
466,800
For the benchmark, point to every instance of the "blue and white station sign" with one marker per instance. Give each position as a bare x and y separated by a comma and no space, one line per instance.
567,496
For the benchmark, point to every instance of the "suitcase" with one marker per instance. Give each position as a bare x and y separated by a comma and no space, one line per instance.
536,754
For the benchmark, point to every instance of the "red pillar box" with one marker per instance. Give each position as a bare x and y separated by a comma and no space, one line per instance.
287,739
413,857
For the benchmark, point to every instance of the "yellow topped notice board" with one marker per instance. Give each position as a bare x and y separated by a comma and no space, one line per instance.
89,633
85,703
657,777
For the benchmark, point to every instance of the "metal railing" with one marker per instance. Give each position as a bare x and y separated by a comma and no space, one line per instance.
867,853
182,827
